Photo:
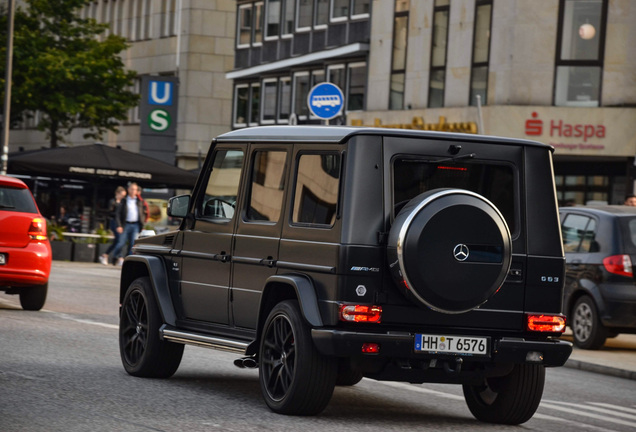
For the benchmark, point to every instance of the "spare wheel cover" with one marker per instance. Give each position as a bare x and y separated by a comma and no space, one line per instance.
453,248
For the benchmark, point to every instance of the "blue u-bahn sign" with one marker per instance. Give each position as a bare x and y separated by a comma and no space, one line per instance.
325,100
158,114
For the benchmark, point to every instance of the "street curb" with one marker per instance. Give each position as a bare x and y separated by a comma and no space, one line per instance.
596,368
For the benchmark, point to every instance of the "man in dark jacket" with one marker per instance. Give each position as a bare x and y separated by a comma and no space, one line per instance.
130,217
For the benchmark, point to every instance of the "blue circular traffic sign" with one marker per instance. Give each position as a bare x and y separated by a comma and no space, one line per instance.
325,100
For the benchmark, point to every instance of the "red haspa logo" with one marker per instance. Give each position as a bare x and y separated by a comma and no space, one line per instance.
534,127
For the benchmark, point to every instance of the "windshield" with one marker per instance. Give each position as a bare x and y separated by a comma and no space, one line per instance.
412,177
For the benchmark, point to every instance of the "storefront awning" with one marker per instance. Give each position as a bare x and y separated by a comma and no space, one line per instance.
98,162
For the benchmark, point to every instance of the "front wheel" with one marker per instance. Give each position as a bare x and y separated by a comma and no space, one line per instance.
33,298
143,353
295,378
511,399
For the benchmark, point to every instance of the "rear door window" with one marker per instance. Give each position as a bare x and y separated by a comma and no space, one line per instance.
316,189
579,234
495,182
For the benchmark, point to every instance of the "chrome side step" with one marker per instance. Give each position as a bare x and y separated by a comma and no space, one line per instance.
198,339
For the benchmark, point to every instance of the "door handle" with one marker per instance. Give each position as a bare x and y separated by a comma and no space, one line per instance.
269,262
223,257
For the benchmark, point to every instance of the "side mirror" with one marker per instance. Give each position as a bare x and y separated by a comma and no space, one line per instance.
178,206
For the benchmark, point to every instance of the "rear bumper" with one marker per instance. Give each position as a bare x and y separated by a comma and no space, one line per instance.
401,345
26,266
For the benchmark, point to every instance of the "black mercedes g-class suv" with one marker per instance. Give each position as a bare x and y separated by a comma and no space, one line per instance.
326,254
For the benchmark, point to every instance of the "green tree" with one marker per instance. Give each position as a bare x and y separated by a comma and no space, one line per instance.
67,69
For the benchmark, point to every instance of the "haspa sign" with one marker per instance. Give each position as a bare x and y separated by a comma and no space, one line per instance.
559,129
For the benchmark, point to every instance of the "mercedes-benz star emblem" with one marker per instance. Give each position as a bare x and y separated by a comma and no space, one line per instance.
461,252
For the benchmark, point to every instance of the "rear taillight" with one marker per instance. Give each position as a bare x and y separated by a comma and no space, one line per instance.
37,229
545,323
619,264
360,313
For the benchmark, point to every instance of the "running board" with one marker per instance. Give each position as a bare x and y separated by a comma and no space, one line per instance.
198,339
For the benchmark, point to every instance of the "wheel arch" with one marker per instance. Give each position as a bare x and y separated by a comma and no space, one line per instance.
137,266
279,288
590,289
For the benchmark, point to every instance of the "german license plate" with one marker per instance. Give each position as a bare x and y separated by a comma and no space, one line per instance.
462,345
3,259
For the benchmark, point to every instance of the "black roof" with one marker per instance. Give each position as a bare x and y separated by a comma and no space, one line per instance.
340,134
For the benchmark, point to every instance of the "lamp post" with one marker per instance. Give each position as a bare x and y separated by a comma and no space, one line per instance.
6,115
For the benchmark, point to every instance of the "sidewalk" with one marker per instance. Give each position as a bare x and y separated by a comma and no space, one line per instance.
616,358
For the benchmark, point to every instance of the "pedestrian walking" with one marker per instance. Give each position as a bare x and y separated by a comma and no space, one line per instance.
130,217
120,193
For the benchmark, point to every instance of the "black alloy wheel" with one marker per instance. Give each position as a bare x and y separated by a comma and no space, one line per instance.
143,353
295,379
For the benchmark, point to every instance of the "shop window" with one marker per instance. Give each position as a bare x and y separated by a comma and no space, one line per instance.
398,62
267,186
316,189
437,79
580,52
481,52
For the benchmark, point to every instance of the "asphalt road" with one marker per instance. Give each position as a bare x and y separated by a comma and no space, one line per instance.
60,371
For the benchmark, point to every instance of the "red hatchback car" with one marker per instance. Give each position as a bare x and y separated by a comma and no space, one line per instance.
25,252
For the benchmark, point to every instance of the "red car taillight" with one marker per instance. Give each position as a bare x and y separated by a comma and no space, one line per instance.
619,264
37,229
360,313
545,323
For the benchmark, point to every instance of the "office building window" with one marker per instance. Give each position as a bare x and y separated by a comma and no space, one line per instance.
360,8
288,17
580,52
270,95
322,13
284,100
357,86
301,90
339,10
258,24
304,14
398,62
273,19
247,100
437,78
481,52
244,26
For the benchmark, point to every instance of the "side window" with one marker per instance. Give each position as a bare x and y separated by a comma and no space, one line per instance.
267,186
219,199
579,234
316,190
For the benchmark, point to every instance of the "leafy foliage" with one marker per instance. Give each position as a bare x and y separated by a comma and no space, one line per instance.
67,69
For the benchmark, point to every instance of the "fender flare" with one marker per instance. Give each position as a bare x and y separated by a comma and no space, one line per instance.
155,269
305,293
589,288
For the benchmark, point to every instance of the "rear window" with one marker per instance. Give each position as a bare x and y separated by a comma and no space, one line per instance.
495,182
17,200
629,230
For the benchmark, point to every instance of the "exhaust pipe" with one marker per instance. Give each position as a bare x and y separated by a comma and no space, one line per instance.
246,362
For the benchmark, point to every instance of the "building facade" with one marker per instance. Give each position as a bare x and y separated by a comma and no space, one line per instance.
562,72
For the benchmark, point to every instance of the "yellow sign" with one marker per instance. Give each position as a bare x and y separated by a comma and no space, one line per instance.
418,124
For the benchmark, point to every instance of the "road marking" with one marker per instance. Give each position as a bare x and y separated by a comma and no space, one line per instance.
616,407
599,409
411,387
548,405
571,422
81,321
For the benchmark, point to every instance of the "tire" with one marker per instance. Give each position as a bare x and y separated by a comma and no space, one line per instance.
33,298
587,330
449,250
295,378
348,375
143,353
512,399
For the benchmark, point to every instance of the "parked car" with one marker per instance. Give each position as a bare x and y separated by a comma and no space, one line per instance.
600,290
326,254
25,252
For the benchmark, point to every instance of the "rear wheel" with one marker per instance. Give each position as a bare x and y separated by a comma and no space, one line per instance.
511,399
587,330
33,298
143,353
295,378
